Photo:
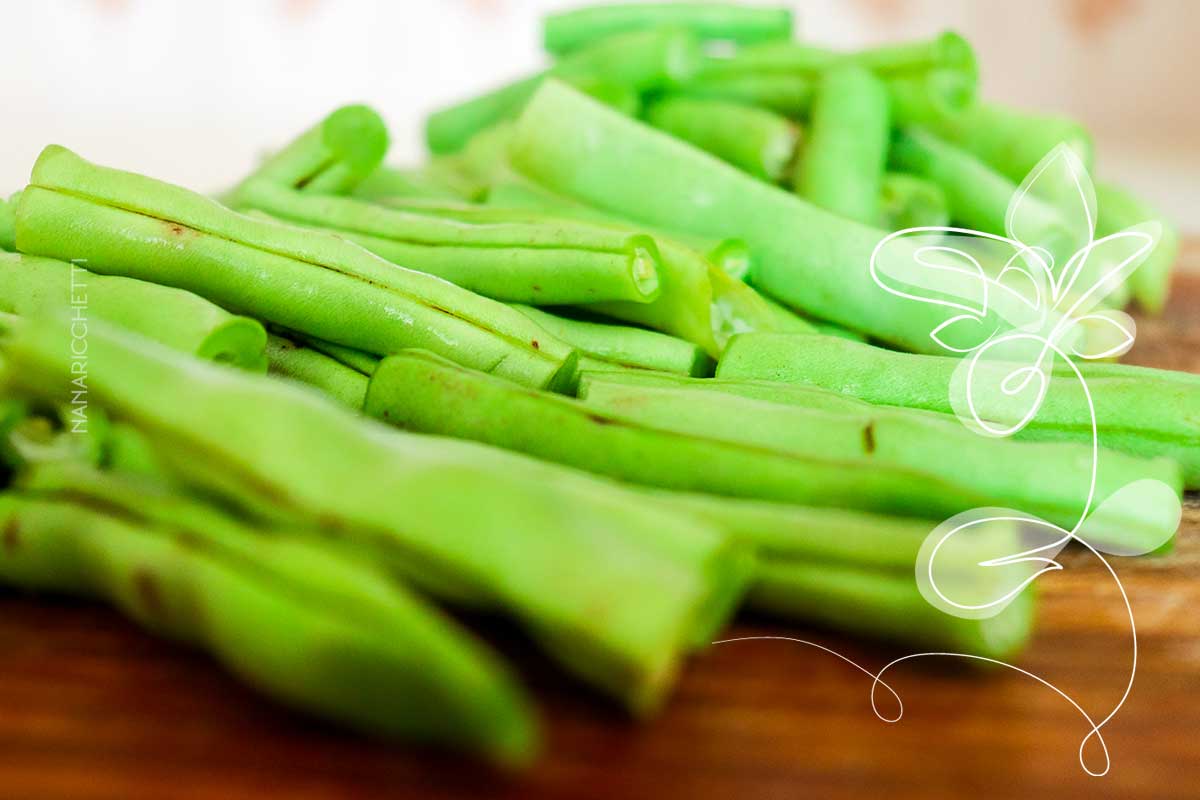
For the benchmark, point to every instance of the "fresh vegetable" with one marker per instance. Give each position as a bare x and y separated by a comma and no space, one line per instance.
758,141
841,166
126,224
567,31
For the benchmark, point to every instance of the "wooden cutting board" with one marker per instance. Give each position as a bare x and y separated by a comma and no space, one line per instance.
90,707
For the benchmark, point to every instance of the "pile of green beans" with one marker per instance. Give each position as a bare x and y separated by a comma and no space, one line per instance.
125,224
607,366
319,628
550,554
723,444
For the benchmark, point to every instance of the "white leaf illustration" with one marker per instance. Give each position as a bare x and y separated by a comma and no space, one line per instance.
1138,518
1055,210
976,563
1104,334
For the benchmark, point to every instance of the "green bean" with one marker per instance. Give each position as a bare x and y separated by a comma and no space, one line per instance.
789,321
30,285
978,196
625,346
757,141
1011,141
547,545
566,31
436,180
545,261
134,226
947,51
697,302
789,95
914,98
730,255
926,80
841,165
912,202
869,603
357,360
806,257
332,156
1117,210
734,446
8,222
1146,413
303,364
315,631
640,60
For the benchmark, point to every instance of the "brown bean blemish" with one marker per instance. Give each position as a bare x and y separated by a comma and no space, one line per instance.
537,288
535,344
12,535
599,420
148,592
177,230
868,435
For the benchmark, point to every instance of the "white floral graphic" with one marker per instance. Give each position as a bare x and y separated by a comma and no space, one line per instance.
1025,307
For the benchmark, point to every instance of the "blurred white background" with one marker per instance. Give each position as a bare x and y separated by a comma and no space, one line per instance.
194,91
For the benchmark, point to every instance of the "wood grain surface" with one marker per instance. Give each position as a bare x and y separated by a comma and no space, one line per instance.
90,707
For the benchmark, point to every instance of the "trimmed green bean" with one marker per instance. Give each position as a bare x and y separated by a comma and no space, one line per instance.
840,167
436,180
332,156
734,446
1009,140
946,51
789,95
868,603
566,31
30,286
134,226
8,222
978,196
912,202
545,261
757,141
357,360
1146,413
806,257
315,631
729,255
548,545
1117,210
342,383
625,346
640,60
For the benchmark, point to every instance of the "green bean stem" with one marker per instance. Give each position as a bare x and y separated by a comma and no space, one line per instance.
550,546
641,60
1143,412
566,31
735,446
126,224
841,165
30,286
755,140
319,632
